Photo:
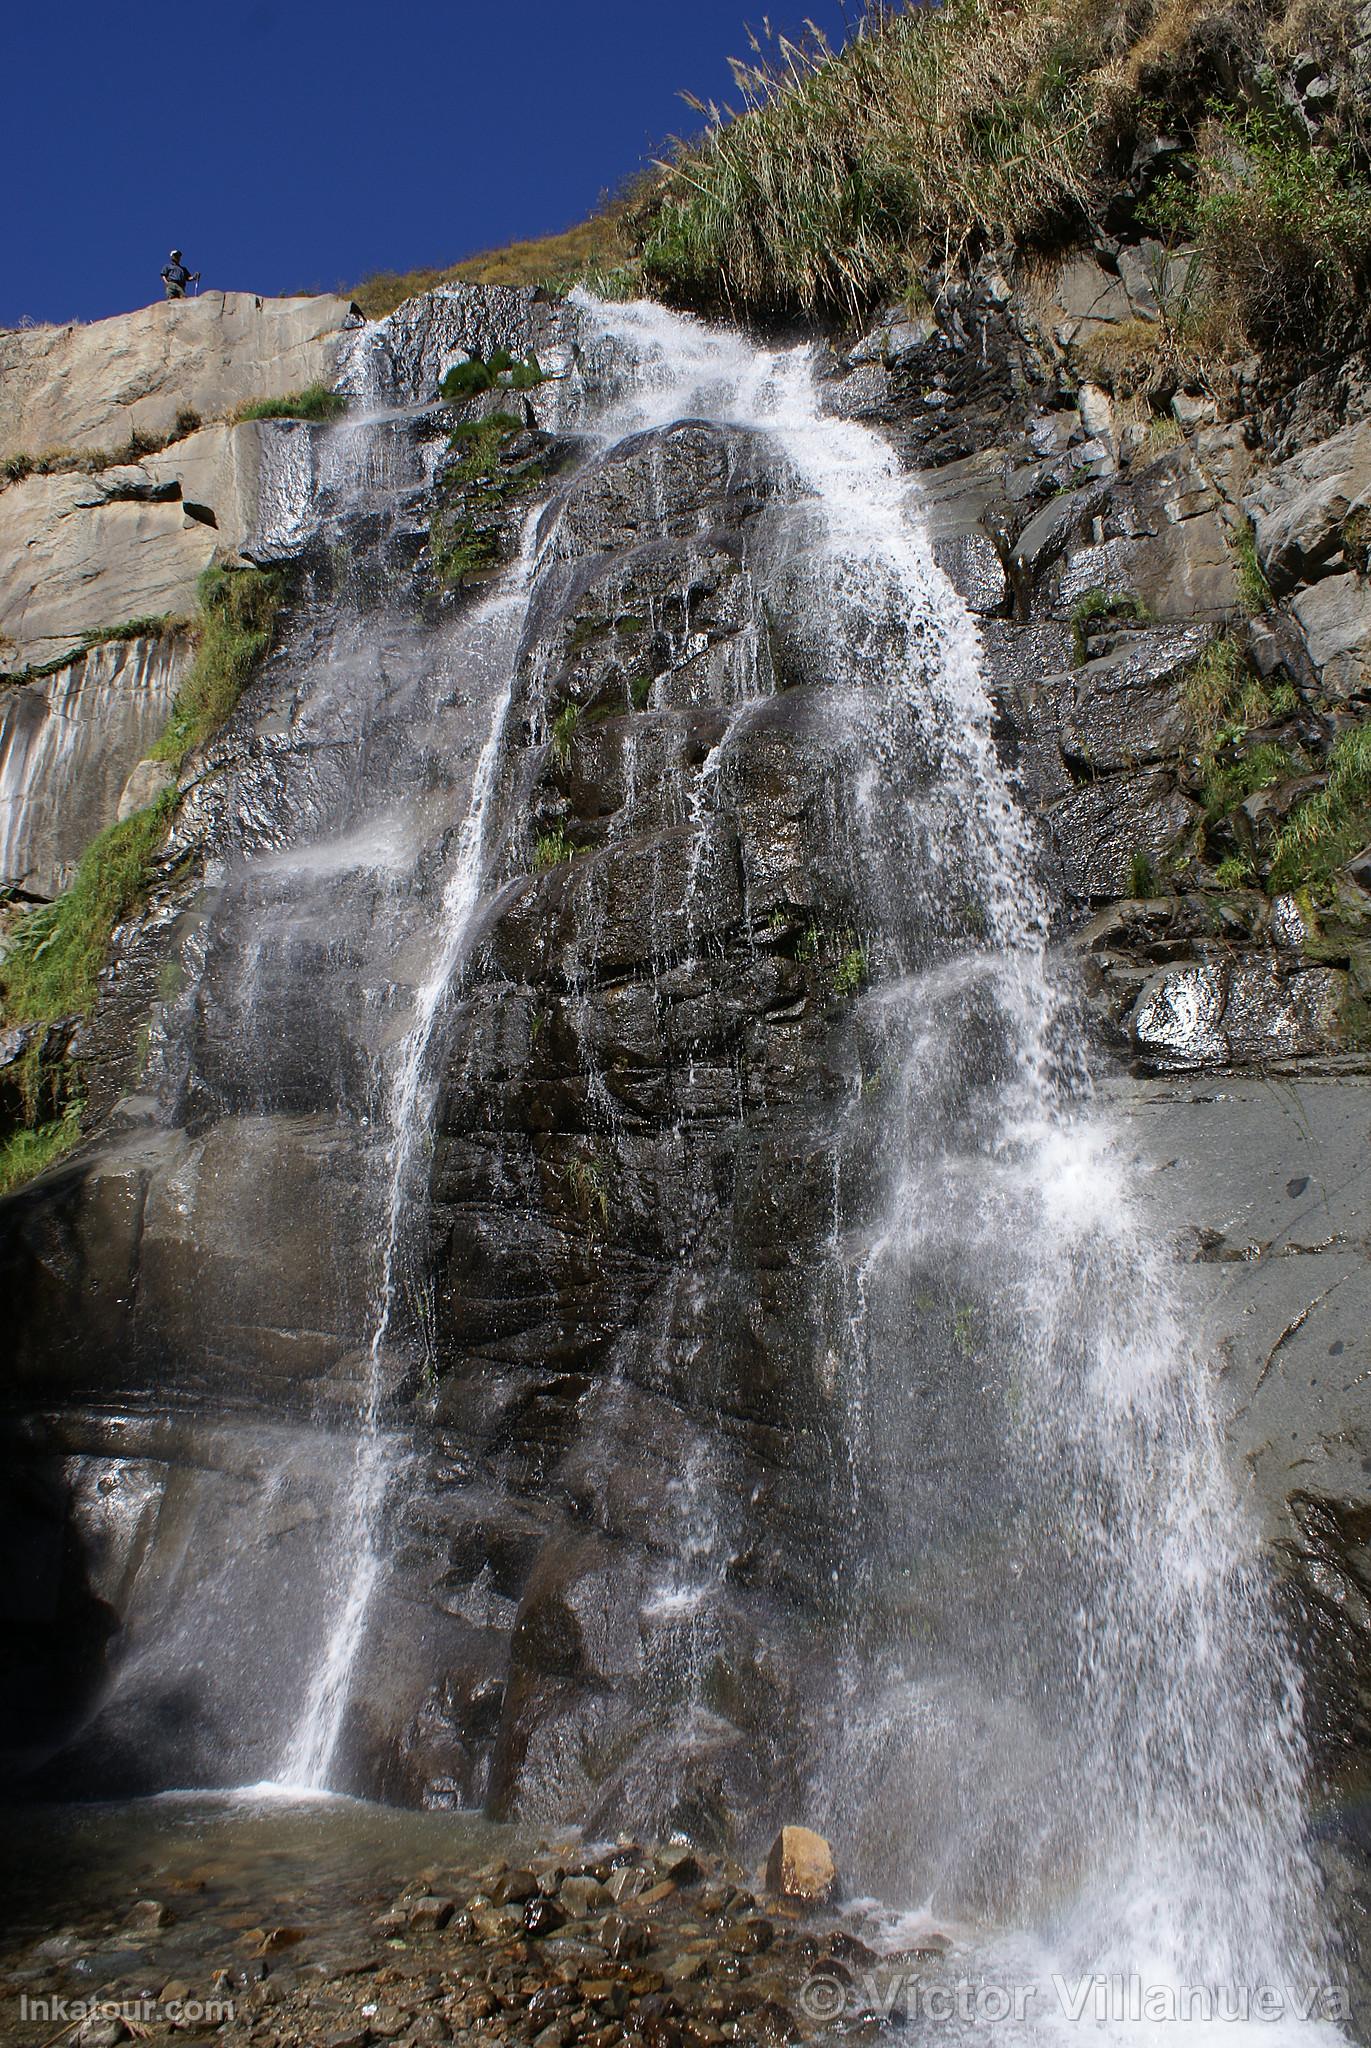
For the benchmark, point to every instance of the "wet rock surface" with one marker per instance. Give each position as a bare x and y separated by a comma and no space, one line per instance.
279,1929
1167,710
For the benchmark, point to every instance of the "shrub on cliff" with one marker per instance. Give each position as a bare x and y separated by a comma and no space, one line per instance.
315,402
238,612
51,968
1285,227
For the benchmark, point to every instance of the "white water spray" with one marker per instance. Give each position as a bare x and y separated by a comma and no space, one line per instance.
1165,1837
410,1094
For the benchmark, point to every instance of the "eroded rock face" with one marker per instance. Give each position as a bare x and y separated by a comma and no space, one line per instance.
81,553
1301,506
68,744
1264,1184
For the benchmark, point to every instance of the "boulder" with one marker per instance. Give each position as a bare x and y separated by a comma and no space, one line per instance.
1083,298
1160,537
1235,1011
800,1866
1299,508
1123,708
93,386
409,352
431,1911
146,783
1335,618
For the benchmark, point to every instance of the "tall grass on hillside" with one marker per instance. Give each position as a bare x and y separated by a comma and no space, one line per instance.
1012,124
591,249
980,120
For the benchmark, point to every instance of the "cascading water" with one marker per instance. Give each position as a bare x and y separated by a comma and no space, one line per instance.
1136,1796
1057,1698
408,1108
301,1040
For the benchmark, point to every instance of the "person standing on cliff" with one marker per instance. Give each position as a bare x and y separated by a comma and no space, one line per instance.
176,277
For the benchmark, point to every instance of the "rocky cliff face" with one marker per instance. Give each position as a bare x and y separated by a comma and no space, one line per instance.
124,476
611,1380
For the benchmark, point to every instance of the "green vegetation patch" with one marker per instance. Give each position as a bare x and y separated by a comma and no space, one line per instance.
154,627
1284,226
595,252
499,371
467,535
1331,826
315,402
587,1181
851,971
52,966
1099,608
1254,592
14,469
1263,766
51,969
1225,703
239,609
552,848
564,732
973,121
943,133
28,1151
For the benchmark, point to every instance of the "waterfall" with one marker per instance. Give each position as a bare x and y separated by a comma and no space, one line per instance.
1054,1696
1115,1607
409,1102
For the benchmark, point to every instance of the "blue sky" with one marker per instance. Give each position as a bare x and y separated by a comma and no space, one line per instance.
289,145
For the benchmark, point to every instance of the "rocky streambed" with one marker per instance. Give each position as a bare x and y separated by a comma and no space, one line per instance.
252,1918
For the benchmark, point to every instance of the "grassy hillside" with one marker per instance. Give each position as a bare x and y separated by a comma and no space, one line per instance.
1019,125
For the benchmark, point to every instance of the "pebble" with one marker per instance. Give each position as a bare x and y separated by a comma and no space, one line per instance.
148,1915
543,1916
573,1946
581,1895
431,1910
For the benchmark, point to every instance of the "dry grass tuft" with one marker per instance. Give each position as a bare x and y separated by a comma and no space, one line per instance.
589,249
981,121
1011,126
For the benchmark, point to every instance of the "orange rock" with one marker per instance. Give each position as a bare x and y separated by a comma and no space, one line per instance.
801,1866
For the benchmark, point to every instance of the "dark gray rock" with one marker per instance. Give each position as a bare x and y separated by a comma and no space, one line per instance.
1236,1012
1335,618
1103,828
